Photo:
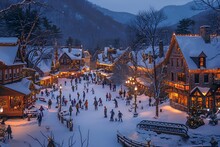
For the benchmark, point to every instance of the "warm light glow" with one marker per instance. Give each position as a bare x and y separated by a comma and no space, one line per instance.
126,82
1,109
135,88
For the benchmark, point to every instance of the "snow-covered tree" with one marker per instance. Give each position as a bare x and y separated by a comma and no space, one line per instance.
147,29
25,21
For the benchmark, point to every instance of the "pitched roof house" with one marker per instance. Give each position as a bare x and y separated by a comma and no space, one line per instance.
15,92
72,60
194,70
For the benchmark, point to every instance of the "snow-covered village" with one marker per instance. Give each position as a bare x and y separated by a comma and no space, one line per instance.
90,73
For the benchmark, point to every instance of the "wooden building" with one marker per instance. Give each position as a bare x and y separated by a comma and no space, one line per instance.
72,61
109,57
194,70
15,92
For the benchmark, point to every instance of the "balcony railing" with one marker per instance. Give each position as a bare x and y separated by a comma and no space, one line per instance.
180,86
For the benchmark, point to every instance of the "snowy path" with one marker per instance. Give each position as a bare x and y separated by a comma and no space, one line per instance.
102,132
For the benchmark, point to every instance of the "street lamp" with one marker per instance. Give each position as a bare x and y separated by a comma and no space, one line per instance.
60,98
135,101
1,109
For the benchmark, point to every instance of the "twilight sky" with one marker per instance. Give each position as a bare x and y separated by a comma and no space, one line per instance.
133,6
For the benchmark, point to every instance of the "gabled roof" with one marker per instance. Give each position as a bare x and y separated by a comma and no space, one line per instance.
74,54
46,58
145,63
8,53
103,57
21,87
193,46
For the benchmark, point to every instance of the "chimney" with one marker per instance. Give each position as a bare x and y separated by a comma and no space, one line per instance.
150,57
205,33
70,48
161,51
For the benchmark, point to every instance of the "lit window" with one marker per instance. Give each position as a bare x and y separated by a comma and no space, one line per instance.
201,62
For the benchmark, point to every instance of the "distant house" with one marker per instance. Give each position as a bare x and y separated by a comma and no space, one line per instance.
73,61
194,70
142,61
43,61
15,91
109,57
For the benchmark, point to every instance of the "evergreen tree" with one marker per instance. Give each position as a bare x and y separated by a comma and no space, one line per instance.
69,41
184,26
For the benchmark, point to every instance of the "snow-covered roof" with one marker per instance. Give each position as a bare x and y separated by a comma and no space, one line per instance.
45,65
193,46
8,40
8,55
143,81
21,87
45,78
73,53
47,57
204,90
145,63
103,57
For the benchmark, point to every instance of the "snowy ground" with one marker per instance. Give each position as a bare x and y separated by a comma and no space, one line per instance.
102,132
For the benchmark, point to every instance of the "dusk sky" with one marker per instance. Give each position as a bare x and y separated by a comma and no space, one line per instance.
133,6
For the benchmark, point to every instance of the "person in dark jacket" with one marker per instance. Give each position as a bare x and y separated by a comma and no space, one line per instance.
9,131
39,118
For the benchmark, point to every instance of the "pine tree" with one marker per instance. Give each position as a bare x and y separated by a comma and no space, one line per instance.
184,26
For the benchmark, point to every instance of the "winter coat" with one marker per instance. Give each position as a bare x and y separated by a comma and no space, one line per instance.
8,130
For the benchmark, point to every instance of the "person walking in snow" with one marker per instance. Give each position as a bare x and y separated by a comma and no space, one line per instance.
116,103
120,116
124,93
106,97
109,96
112,115
65,83
80,103
76,86
69,97
93,92
9,131
100,102
39,119
49,104
95,104
150,101
77,109
105,112
41,110
86,105
84,95
70,110
78,95
73,88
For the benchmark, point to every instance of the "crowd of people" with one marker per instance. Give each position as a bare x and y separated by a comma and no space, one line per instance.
80,102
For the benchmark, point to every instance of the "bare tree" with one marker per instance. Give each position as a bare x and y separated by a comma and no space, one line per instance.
205,4
147,29
31,27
